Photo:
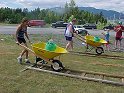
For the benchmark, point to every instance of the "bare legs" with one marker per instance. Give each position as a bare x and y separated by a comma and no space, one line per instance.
69,45
118,44
24,52
107,46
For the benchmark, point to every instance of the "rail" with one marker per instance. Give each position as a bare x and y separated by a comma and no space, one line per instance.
117,80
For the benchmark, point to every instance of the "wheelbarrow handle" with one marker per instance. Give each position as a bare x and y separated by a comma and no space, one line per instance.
27,48
48,60
79,37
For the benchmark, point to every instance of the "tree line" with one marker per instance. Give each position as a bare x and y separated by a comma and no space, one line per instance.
14,16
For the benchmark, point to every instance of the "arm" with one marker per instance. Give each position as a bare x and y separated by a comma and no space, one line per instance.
122,29
88,33
18,29
70,29
117,28
103,33
26,34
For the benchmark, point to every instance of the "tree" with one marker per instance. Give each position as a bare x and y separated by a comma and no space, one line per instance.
25,12
15,15
72,4
66,8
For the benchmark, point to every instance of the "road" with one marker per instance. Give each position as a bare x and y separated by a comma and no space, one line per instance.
39,30
31,30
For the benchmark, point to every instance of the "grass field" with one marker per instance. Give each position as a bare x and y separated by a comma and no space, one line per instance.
14,81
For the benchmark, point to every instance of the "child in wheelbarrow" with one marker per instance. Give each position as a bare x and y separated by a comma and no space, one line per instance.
20,32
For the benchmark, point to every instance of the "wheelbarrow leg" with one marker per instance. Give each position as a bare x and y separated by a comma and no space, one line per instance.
89,48
38,59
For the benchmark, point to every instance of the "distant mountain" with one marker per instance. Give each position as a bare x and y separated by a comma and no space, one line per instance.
59,10
110,14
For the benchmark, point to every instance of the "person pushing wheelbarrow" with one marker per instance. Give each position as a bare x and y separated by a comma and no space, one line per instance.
69,33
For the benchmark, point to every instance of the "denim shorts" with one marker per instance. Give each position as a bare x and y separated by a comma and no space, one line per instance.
68,38
21,40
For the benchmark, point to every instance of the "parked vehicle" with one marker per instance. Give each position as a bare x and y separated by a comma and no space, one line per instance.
90,26
59,24
110,27
36,23
80,30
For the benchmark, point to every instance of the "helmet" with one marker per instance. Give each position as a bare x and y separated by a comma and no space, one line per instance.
120,22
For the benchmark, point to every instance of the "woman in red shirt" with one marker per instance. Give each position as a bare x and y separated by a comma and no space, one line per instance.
119,29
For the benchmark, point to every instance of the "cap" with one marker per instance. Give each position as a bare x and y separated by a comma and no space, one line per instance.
119,22
74,20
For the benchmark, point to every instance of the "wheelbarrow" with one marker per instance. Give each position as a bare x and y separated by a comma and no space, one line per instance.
38,49
89,41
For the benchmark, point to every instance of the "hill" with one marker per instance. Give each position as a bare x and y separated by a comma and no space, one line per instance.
110,14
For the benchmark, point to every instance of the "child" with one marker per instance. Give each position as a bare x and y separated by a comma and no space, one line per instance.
106,37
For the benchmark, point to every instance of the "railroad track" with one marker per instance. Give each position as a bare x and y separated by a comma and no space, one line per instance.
96,55
84,75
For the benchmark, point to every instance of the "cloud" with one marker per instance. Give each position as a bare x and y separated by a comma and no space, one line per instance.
116,5
41,3
103,4
3,4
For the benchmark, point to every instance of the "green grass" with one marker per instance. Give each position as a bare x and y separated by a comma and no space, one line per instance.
14,81
5,24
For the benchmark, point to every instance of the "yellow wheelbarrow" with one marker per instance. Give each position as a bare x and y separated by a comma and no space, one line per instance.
38,49
89,40
95,44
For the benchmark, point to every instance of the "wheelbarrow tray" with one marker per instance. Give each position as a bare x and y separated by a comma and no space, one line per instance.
39,49
90,41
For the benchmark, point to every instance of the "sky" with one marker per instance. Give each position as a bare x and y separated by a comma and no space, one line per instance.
116,5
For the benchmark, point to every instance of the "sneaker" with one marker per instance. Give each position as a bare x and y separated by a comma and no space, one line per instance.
115,48
19,60
119,49
27,61
43,62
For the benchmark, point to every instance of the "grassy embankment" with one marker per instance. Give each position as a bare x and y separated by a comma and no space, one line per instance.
14,81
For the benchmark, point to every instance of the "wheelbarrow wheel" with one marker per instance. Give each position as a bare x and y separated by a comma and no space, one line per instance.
99,50
57,65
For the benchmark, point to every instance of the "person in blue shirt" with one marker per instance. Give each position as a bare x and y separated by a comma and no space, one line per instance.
69,34
21,32
107,38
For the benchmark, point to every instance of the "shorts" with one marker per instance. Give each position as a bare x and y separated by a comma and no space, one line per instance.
118,38
68,38
21,40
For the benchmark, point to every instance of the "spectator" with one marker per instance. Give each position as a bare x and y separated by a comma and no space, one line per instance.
118,29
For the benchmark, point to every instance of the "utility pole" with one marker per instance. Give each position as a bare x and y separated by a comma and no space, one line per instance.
114,18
